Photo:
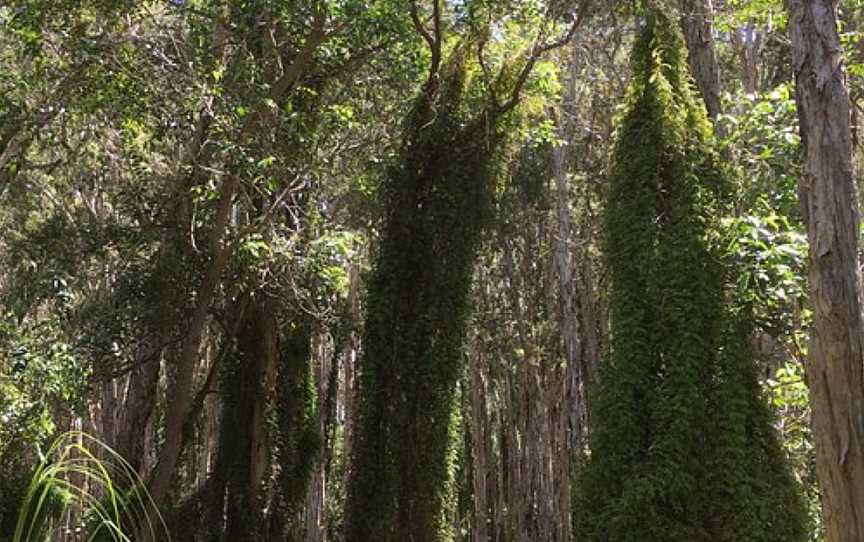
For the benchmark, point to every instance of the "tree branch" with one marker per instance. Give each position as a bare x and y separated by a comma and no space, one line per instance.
487,74
537,51
418,25
433,38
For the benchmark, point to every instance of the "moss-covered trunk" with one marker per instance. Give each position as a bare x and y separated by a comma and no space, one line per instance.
242,456
296,436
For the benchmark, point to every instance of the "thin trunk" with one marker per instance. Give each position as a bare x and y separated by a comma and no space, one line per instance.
245,437
748,41
594,321
479,447
296,429
835,369
570,332
181,389
316,497
138,405
348,390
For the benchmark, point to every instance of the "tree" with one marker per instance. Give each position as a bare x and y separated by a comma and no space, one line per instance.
403,462
835,368
187,161
438,200
681,443
188,221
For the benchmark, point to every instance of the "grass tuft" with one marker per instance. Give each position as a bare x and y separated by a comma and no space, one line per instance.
107,492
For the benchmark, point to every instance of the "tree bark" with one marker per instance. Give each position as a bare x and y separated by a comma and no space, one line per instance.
697,22
748,42
180,389
568,302
315,510
480,441
245,433
829,204
138,405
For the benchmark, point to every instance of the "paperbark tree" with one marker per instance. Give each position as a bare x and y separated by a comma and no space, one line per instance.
221,249
835,367
438,197
697,22
402,464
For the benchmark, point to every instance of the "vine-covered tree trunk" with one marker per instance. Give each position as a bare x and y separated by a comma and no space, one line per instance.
835,368
403,456
221,249
325,371
243,458
268,438
678,395
296,436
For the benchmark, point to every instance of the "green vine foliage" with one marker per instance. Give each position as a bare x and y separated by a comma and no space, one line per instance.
235,506
682,443
240,388
235,503
297,436
438,198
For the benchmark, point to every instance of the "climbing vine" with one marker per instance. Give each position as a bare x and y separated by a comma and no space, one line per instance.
682,446
439,199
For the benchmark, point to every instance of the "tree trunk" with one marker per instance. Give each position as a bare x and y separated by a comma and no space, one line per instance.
181,388
315,510
568,302
296,431
748,41
829,204
243,458
480,440
697,17
140,400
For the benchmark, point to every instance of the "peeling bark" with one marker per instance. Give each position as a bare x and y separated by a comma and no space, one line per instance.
829,204
697,23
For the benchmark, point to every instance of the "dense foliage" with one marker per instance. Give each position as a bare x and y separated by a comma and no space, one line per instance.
679,360
361,270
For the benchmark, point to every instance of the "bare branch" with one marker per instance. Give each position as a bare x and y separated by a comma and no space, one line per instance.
436,24
436,28
292,73
433,38
418,25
